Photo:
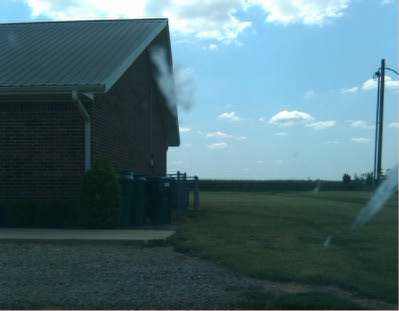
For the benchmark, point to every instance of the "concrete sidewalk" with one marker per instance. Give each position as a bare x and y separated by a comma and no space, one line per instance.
111,235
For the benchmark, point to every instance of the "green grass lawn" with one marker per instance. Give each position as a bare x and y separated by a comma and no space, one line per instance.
280,237
302,301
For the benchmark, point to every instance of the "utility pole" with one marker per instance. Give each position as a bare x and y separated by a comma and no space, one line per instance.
380,74
380,118
376,75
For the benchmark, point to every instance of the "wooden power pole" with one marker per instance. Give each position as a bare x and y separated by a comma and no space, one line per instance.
379,123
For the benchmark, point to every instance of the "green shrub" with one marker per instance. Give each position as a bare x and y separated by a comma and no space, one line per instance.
100,196
70,211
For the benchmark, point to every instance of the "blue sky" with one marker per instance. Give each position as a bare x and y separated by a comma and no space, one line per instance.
279,88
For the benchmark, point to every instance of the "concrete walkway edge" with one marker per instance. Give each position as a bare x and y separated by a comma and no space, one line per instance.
85,235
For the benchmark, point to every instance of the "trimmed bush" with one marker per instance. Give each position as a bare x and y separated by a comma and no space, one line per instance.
100,196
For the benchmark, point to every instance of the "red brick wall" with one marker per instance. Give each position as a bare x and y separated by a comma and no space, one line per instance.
42,144
41,150
127,123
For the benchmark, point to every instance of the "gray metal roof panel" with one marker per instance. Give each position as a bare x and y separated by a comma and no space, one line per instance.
73,53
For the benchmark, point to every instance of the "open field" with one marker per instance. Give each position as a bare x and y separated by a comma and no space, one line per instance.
280,237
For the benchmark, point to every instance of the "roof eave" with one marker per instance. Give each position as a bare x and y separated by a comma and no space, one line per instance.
175,142
53,89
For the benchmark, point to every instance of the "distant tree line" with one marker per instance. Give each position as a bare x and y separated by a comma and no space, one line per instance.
279,185
365,178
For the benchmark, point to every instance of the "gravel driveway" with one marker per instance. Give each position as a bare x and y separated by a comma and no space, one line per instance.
85,276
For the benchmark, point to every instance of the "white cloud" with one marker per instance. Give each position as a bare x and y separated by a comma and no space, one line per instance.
177,163
322,125
372,84
221,135
281,134
391,83
72,9
362,125
207,19
213,47
332,142
290,118
351,90
218,21
309,94
184,129
361,140
217,146
308,12
260,162
218,134
230,116
394,124
369,84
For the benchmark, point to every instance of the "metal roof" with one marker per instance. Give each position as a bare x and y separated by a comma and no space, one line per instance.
80,55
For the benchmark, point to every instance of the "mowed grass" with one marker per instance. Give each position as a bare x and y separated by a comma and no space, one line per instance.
280,237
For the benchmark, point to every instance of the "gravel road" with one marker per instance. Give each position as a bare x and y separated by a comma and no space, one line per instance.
43,275
100,276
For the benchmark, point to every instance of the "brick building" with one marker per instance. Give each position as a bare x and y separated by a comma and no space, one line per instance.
71,92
